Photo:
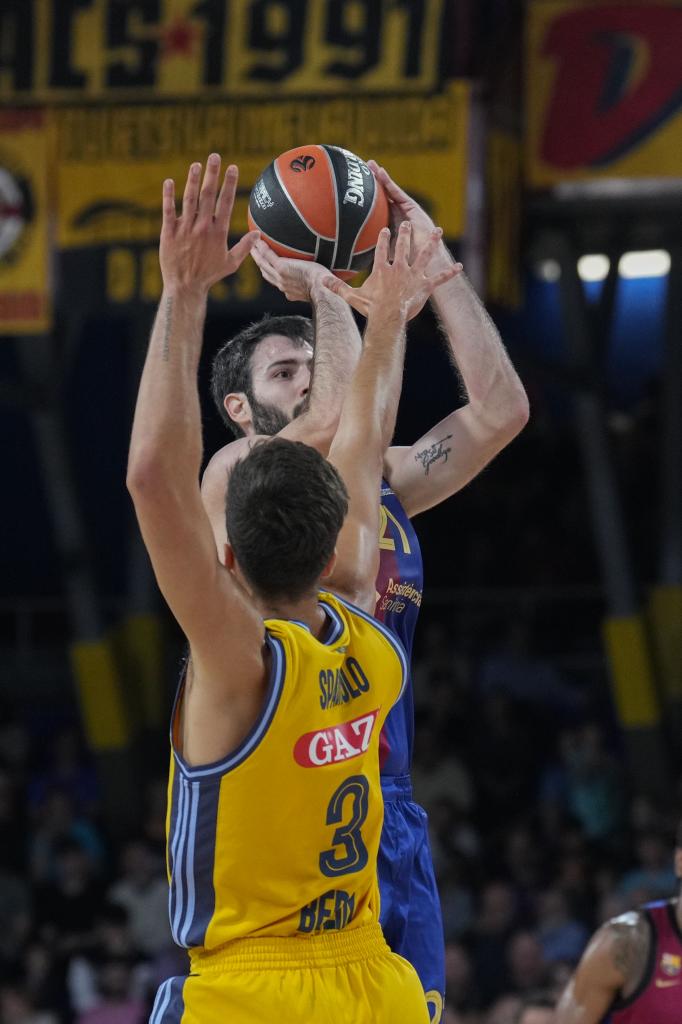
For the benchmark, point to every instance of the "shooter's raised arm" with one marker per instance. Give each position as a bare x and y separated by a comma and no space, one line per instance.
166,444
371,404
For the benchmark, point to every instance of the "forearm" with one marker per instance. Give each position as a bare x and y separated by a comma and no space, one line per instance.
166,434
369,412
488,375
357,452
337,349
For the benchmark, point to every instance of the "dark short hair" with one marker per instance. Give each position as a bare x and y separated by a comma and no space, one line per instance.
678,837
284,509
231,371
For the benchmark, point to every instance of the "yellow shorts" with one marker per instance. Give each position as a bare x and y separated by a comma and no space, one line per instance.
348,977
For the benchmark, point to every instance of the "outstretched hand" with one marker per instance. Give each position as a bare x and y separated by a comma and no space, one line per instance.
402,283
295,278
193,251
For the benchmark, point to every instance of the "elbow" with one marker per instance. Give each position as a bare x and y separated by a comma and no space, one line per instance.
144,475
513,415
519,413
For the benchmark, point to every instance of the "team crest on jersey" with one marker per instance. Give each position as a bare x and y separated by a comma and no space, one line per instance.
335,744
671,964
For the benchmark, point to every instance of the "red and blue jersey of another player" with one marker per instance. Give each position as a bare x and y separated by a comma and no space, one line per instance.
658,997
399,588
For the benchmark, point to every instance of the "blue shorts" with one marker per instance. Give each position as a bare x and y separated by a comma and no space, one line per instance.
410,907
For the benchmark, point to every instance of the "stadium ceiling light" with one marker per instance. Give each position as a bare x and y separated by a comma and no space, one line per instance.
594,267
648,263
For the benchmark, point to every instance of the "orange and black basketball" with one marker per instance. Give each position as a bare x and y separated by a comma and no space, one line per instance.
320,203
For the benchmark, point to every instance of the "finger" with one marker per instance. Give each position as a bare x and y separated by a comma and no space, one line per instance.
267,273
381,251
351,295
258,259
428,250
267,255
402,245
374,167
191,193
444,275
241,250
226,197
393,191
168,205
209,189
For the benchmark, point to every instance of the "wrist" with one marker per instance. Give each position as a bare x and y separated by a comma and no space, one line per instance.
391,314
190,291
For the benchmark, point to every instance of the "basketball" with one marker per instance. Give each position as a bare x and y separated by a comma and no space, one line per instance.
320,203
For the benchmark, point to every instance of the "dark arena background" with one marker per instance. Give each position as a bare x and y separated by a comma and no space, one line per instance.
546,139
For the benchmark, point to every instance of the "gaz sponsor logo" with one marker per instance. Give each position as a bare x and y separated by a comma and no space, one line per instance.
337,744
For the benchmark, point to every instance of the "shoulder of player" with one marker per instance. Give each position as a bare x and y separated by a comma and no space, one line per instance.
622,944
388,639
225,458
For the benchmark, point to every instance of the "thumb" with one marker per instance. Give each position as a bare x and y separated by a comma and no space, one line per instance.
241,250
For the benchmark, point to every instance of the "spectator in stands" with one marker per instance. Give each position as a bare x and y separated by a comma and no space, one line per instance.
112,940
560,935
459,980
142,888
67,769
526,966
438,773
67,909
57,824
117,1003
654,877
504,1010
537,1008
456,898
16,1007
593,783
492,931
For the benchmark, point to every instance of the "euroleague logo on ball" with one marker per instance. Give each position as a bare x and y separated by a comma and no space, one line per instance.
302,163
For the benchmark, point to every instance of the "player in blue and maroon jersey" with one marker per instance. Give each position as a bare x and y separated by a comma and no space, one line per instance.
262,385
631,972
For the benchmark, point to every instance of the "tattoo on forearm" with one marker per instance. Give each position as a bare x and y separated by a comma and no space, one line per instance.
165,351
436,451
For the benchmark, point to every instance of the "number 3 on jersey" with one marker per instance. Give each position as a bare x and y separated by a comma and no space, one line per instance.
348,853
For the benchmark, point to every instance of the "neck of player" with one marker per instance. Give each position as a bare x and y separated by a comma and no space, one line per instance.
307,610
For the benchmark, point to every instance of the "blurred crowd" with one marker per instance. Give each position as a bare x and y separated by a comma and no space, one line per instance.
84,933
536,835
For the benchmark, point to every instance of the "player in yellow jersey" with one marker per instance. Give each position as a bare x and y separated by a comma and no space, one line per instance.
274,799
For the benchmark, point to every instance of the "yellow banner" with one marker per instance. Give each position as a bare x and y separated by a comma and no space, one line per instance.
111,161
603,90
60,50
25,306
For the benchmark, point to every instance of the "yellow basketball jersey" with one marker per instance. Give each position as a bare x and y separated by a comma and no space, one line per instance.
281,837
